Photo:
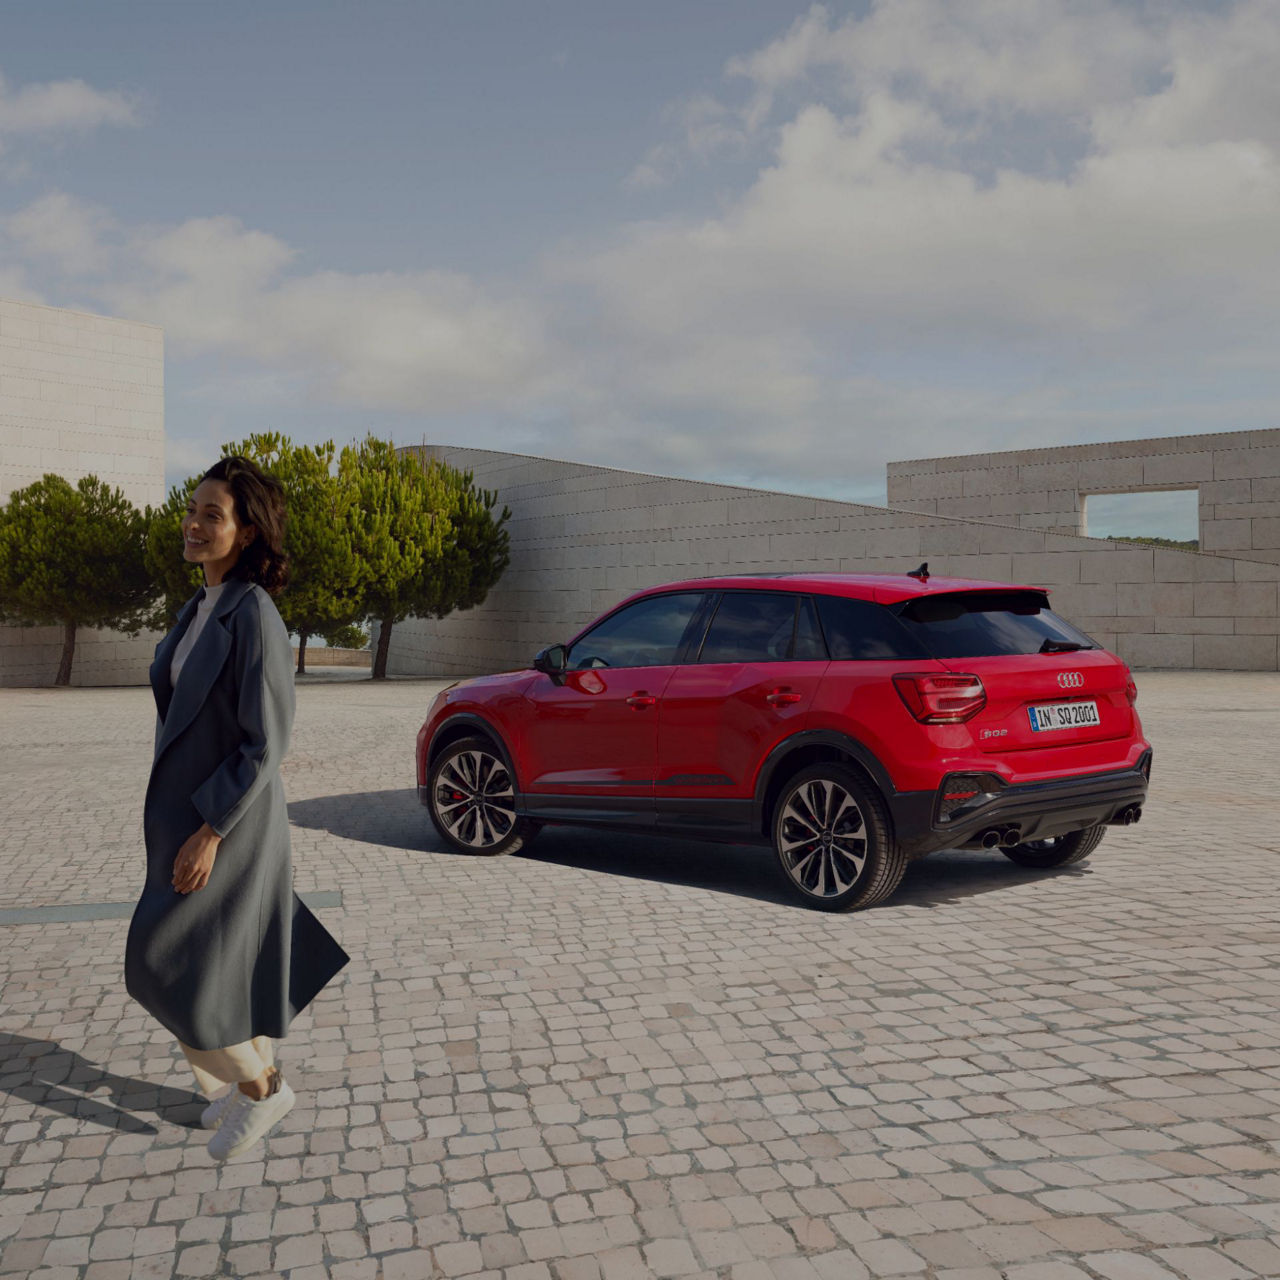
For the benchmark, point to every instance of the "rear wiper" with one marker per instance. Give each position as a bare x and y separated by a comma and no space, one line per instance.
1062,646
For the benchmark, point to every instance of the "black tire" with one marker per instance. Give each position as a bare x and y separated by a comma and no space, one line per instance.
1057,851
844,858
471,800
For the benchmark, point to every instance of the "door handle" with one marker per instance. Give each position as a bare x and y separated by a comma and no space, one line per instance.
641,700
782,697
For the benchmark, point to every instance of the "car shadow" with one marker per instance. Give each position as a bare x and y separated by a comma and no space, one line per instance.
750,871
47,1075
394,819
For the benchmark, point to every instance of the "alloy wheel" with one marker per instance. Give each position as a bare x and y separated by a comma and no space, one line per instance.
822,838
474,799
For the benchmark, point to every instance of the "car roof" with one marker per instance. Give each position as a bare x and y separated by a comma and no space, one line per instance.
884,588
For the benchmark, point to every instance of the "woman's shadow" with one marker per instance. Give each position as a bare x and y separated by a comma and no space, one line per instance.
58,1079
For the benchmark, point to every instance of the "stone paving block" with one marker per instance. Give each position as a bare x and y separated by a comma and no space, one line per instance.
635,1055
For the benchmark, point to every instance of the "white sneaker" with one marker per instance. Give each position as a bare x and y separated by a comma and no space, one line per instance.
245,1122
211,1116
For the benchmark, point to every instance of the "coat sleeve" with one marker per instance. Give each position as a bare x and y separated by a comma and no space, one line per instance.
264,679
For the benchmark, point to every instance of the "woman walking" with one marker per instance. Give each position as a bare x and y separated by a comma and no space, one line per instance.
221,951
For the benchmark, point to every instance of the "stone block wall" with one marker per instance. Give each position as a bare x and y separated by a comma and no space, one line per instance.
1237,475
583,537
79,395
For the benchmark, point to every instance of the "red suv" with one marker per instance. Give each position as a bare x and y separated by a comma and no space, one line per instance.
851,721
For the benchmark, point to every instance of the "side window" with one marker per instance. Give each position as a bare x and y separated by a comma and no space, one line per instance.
645,634
860,630
751,626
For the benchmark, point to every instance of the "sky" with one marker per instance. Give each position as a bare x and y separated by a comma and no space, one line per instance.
738,240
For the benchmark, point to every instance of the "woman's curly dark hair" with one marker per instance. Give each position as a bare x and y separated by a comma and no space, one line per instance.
259,501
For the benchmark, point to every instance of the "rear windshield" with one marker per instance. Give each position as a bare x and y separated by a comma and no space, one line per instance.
984,624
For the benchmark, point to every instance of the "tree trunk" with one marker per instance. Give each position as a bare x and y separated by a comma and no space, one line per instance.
302,654
384,647
68,652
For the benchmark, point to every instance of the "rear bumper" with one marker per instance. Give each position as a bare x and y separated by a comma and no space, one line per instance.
1038,810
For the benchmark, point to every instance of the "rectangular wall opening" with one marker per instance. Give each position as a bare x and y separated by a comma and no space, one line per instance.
1166,517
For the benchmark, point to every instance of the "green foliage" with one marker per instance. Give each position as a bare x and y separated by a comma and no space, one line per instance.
400,522
372,534
1189,544
346,638
325,574
475,554
72,556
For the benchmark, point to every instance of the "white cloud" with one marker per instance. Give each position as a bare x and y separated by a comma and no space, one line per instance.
1047,201
968,226
61,106
63,230
429,341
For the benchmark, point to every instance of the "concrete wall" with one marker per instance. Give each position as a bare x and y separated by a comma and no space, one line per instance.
583,537
79,395
1236,473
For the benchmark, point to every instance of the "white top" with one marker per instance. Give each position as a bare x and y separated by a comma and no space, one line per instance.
188,641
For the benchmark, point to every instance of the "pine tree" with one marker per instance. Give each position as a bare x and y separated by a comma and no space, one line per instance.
475,554
72,556
400,521
324,596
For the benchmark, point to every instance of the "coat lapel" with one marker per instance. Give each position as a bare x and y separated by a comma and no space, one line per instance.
203,665
161,686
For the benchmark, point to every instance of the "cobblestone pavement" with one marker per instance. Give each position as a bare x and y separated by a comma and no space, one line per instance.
612,1058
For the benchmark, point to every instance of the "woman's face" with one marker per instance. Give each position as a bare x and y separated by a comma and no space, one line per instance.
211,535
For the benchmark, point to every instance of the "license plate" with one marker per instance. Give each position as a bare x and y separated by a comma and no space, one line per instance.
1063,715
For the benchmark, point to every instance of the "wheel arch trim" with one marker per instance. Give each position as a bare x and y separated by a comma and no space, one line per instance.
448,730
862,755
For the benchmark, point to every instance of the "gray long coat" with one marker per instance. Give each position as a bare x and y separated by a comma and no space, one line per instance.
242,956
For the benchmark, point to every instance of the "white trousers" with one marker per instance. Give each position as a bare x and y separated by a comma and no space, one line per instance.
237,1063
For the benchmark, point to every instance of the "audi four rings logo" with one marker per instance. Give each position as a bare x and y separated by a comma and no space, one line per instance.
1071,680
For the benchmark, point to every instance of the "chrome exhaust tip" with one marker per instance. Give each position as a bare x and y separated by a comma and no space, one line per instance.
990,839
1011,838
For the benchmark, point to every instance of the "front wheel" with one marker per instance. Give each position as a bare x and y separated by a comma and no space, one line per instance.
833,840
1057,851
471,800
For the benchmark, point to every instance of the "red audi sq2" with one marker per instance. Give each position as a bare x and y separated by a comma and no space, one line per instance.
851,721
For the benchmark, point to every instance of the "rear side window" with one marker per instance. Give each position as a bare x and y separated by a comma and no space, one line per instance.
985,624
861,630
751,626
648,633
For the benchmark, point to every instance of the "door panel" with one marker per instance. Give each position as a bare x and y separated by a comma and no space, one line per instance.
720,720
597,733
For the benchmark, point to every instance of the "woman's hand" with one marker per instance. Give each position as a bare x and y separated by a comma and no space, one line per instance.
194,863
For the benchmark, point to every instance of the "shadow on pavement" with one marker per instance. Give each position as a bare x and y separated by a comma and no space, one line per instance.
744,870
945,878
58,1079
750,871
395,819
392,818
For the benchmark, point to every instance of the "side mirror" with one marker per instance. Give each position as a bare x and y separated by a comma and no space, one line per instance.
552,661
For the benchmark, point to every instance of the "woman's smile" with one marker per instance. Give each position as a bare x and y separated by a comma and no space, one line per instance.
212,536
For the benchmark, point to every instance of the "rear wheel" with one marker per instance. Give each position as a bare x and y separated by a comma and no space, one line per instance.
1057,851
833,841
471,800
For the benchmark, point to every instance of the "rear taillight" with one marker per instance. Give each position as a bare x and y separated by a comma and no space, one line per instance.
1131,690
941,699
